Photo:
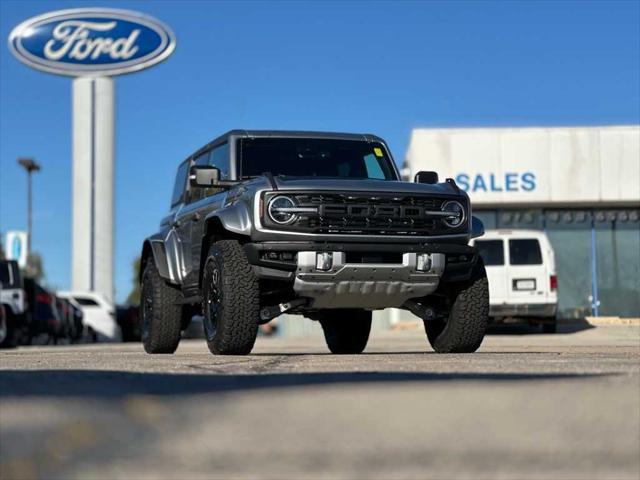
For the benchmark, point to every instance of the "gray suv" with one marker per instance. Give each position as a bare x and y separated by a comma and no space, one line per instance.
317,224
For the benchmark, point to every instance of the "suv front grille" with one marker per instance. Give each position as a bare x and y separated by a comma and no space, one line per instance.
373,214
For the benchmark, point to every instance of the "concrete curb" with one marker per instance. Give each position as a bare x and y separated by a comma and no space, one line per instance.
599,321
593,321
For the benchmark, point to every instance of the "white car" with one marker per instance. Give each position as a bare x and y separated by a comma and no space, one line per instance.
98,314
522,276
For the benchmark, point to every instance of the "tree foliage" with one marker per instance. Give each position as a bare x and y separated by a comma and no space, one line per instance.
35,267
134,294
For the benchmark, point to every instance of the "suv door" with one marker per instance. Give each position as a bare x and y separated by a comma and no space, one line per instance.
177,240
203,201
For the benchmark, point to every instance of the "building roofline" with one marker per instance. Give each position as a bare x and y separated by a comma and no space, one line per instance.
485,128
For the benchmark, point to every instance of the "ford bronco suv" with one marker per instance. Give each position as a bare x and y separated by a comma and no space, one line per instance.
317,224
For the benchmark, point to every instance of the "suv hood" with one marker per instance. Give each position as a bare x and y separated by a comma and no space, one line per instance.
362,185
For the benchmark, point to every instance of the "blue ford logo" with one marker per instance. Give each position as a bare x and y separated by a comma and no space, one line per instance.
91,41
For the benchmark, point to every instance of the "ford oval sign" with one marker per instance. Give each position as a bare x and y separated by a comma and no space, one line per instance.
91,41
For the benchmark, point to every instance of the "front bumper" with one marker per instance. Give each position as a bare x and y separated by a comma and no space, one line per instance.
365,285
361,283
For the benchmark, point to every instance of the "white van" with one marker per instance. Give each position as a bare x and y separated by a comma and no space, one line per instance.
97,313
522,276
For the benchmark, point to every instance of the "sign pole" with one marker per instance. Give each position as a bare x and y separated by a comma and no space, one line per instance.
92,184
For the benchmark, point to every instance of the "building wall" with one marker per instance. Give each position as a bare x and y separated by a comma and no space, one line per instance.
580,185
597,255
594,166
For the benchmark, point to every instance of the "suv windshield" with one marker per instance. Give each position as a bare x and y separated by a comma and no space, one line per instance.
313,157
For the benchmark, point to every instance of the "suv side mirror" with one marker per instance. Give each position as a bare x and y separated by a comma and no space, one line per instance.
204,176
426,177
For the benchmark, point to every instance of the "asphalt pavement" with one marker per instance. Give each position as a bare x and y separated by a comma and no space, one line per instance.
526,406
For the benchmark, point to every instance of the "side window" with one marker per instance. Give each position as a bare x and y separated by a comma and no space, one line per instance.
181,183
86,302
491,251
220,158
200,160
374,170
525,252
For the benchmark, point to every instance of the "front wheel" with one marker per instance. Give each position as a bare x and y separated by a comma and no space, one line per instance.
464,329
231,300
346,331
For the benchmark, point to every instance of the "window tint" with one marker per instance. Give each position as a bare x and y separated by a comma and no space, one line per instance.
220,158
525,252
86,302
314,157
181,182
5,274
9,274
200,160
491,251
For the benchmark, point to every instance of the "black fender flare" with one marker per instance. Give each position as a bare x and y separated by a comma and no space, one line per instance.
230,223
153,247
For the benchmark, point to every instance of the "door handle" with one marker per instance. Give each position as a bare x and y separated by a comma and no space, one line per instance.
196,216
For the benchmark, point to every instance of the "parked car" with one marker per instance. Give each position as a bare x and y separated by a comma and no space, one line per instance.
13,301
44,317
522,276
3,322
318,224
71,318
98,314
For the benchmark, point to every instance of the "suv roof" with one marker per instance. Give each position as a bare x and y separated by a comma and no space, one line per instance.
367,137
303,134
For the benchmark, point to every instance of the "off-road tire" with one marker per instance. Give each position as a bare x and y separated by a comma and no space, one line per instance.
231,300
346,331
160,312
10,333
464,329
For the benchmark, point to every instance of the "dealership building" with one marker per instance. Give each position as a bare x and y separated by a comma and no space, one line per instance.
579,185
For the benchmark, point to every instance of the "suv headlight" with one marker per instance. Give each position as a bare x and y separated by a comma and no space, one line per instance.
282,210
455,212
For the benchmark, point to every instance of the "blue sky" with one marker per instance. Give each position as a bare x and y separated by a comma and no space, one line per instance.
379,67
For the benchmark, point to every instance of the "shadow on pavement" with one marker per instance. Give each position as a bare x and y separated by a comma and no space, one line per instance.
565,326
117,384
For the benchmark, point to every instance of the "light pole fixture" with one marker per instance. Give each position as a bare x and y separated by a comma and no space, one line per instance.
30,165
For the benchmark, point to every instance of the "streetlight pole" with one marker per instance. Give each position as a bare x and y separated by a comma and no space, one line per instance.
30,165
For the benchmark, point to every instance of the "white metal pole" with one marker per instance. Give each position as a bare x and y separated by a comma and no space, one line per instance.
93,160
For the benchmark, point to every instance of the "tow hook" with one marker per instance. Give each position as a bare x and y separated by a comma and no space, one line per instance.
419,310
269,313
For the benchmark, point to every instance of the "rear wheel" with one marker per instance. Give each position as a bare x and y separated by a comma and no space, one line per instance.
7,331
346,331
160,312
464,329
231,300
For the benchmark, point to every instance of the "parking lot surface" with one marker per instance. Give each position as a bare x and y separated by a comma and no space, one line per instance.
524,406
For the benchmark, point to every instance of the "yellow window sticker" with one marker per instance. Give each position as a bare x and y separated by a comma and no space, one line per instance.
378,151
